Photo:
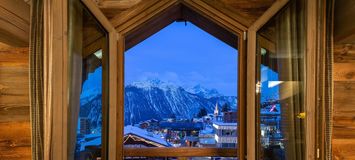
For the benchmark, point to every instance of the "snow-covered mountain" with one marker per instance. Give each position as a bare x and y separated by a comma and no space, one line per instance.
204,92
157,99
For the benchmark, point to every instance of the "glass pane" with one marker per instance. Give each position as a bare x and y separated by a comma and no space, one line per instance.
181,90
280,91
88,78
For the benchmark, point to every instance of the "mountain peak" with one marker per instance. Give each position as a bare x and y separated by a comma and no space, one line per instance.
204,92
153,83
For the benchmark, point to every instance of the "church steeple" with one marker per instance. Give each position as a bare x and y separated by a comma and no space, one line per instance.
216,110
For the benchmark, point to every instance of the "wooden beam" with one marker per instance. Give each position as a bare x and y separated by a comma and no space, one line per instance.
210,27
226,9
117,4
153,26
179,152
131,13
15,22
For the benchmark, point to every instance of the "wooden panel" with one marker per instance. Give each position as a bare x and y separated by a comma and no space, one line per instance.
343,142
152,26
344,53
177,152
344,121
244,11
343,149
344,72
344,110
15,140
15,136
112,7
15,22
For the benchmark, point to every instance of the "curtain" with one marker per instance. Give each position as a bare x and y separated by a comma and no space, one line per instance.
75,39
290,49
36,79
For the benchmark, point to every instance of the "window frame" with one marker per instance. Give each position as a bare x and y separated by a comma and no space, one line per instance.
221,20
56,69
310,80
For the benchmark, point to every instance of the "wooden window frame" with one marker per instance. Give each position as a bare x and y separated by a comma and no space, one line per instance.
216,17
56,74
310,81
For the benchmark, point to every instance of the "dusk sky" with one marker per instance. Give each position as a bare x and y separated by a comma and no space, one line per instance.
185,56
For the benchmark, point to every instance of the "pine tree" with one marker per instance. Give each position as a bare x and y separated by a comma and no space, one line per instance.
226,107
202,112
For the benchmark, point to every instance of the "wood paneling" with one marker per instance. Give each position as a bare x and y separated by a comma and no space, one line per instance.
344,53
344,72
176,152
344,110
15,131
15,22
343,141
15,140
343,149
244,11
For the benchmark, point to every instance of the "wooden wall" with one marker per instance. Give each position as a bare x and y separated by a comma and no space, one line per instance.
344,102
344,80
15,130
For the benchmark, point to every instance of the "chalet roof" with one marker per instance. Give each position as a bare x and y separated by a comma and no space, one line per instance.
132,130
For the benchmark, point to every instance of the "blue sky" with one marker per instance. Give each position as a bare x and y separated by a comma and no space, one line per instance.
185,56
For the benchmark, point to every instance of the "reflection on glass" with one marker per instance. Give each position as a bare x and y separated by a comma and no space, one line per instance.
88,78
89,131
181,92
280,74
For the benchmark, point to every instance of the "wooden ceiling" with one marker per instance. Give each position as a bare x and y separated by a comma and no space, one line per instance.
246,10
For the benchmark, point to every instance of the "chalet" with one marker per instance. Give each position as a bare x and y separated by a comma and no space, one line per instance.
135,137
295,80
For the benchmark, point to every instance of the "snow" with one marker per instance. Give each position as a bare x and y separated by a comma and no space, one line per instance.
90,140
204,92
207,130
129,129
154,83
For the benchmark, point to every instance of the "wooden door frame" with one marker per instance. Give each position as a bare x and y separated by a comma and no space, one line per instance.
310,90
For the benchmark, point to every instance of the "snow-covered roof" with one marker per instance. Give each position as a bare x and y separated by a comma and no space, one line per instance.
207,140
94,142
144,134
207,130
223,125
